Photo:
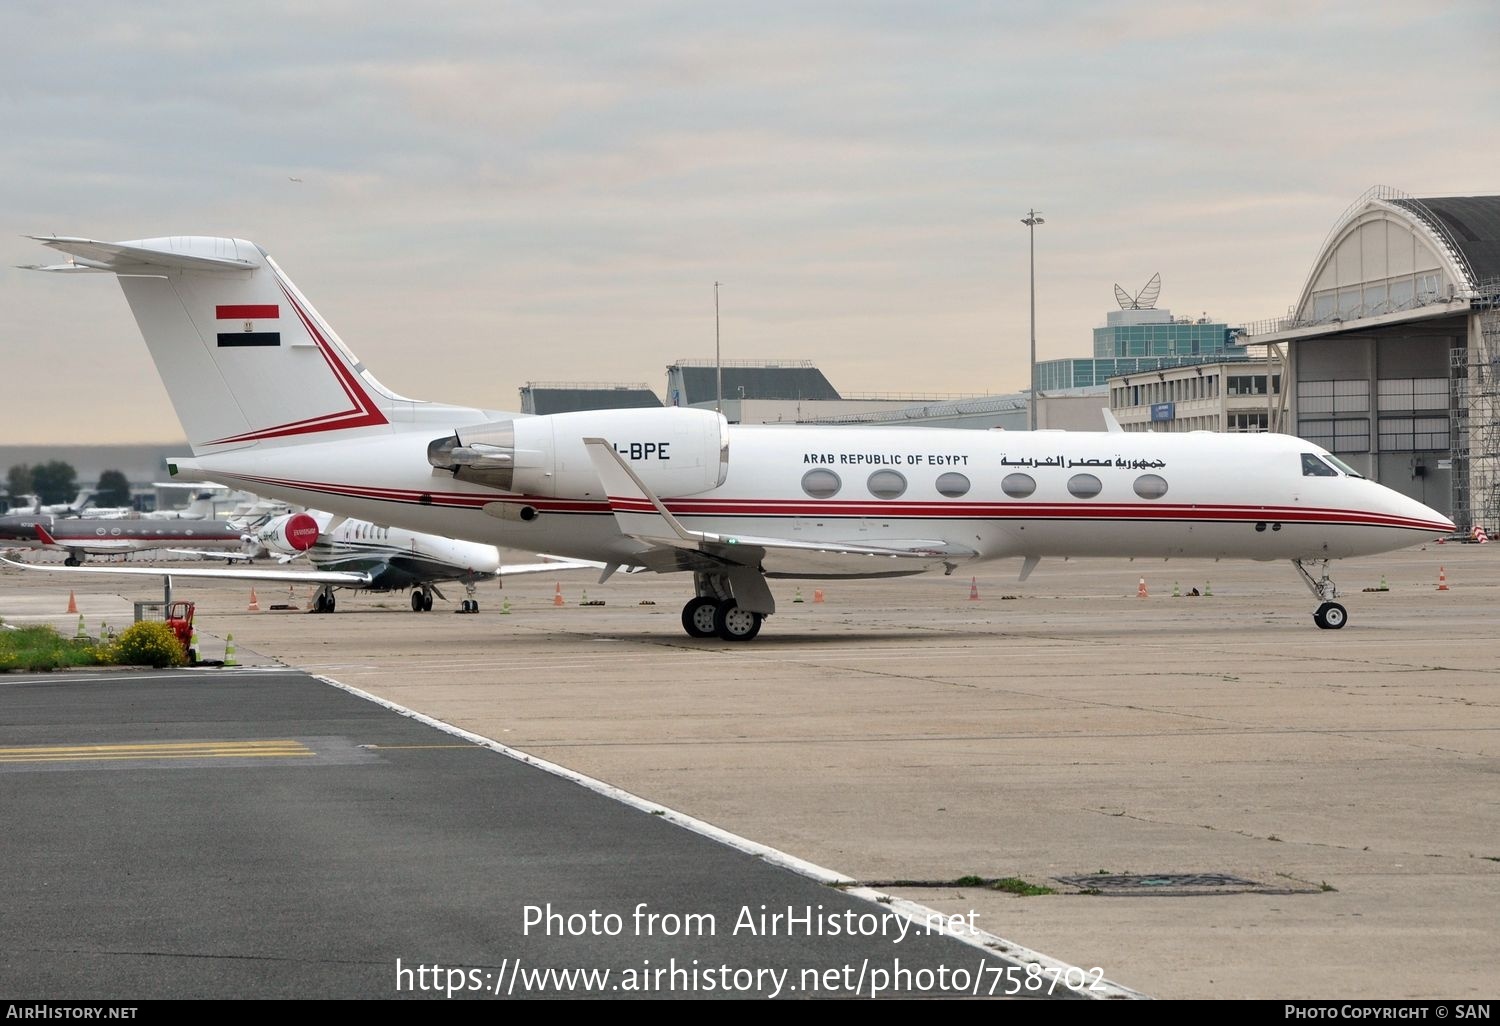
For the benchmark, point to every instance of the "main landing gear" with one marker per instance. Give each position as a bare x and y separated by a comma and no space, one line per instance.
705,617
421,600
1330,616
716,613
323,600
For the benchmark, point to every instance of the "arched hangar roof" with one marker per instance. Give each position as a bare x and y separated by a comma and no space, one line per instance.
1390,252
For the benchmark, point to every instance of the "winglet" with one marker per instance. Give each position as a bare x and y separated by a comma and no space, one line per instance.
1110,423
625,491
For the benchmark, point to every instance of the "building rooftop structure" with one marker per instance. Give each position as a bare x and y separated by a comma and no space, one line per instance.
543,397
694,382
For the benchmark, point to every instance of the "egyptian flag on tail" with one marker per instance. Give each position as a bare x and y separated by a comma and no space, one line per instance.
251,324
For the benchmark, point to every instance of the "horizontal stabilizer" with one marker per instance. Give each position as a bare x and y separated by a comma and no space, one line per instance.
93,255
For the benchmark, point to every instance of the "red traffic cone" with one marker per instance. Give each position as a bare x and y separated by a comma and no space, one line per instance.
557,598
973,589
254,602
72,603
1442,579
1140,589
817,595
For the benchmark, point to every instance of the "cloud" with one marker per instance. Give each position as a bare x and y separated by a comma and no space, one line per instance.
492,194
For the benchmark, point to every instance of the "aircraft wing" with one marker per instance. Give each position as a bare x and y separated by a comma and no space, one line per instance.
352,580
644,517
543,568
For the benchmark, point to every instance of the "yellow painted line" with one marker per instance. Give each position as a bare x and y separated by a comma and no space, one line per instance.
169,750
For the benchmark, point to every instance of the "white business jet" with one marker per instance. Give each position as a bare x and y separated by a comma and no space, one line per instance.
274,402
353,554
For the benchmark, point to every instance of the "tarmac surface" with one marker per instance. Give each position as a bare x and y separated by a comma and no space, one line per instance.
259,833
1226,801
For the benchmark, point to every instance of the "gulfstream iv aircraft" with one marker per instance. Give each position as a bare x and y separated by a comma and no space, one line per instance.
272,401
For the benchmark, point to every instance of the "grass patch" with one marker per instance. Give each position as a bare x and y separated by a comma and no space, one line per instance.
1015,885
42,648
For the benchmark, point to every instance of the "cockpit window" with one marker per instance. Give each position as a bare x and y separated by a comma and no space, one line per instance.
1314,467
1343,466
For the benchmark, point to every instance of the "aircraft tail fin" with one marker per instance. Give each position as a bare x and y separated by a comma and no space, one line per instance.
245,358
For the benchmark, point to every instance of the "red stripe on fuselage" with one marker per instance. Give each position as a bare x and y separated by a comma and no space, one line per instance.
781,509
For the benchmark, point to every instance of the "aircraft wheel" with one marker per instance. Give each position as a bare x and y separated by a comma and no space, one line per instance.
70,561
735,624
332,603
426,601
1331,616
416,601
698,617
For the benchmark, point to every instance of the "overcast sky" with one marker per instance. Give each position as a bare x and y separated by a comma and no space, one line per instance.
495,193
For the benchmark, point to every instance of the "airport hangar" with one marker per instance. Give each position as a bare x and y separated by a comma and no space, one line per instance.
1392,349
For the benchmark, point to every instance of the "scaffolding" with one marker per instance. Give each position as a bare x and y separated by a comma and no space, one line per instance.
1474,406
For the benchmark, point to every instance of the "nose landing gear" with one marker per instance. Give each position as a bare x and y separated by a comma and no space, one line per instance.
1330,616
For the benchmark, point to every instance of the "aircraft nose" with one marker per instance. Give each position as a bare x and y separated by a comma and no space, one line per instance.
1426,518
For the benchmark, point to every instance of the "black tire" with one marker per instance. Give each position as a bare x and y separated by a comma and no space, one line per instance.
426,601
416,601
735,624
332,602
70,561
698,617
1331,616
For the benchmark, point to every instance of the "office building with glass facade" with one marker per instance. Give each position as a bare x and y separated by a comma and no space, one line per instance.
1132,341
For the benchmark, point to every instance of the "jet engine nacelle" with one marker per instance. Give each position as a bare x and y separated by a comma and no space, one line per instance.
288,535
674,451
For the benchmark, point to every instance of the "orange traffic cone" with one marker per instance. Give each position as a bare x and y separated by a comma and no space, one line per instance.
72,603
818,595
557,598
254,602
1140,589
1442,579
973,589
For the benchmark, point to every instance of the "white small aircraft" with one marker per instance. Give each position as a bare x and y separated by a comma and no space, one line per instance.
273,401
354,554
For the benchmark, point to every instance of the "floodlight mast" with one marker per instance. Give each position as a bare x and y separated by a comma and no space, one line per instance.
1031,220
718,362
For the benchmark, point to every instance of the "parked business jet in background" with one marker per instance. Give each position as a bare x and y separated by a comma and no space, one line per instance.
81,537
273,401
352,554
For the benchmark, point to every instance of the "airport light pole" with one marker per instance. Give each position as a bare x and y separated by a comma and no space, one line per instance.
1031,220
718,363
